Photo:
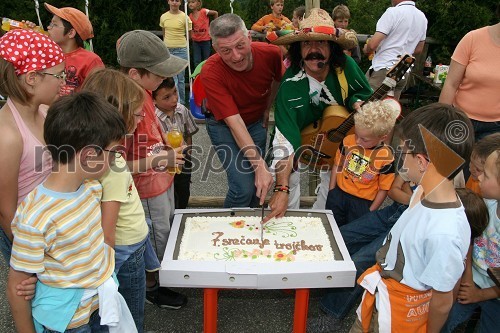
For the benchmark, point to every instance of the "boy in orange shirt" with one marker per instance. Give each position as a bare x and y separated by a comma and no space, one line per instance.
273,21
363,171
69,28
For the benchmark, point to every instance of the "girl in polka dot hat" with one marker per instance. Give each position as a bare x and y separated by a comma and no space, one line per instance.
31,74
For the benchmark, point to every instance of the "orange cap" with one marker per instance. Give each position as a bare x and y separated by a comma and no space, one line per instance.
76,18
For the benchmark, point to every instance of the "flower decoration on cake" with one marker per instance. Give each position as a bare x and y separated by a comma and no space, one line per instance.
286,229
280,256
238,224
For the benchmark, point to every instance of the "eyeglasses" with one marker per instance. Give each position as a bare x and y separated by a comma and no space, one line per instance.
140,115
61,76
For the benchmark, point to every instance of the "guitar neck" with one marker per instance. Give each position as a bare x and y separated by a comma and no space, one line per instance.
380,93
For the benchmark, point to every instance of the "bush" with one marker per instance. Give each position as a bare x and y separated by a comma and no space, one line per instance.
449,20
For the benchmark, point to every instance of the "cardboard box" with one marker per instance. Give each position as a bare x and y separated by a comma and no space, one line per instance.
340,272
440,73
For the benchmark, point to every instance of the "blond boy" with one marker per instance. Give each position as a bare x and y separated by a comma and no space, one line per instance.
363,171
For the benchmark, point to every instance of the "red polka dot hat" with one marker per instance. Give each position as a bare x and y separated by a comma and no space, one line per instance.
28,51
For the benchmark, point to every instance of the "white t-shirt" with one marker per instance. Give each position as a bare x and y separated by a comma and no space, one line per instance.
405,26
428,245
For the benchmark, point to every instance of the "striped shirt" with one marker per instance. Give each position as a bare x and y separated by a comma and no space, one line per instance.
59,237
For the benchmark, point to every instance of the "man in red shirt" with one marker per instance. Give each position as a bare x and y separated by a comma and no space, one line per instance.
240,81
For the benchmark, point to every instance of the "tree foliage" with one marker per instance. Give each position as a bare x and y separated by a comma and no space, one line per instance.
449,20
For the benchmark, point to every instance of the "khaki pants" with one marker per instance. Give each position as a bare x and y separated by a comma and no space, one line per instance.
375,79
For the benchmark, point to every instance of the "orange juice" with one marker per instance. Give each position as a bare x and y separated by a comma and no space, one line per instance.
175,140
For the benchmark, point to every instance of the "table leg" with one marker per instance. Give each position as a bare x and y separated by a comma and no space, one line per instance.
300,312
210,310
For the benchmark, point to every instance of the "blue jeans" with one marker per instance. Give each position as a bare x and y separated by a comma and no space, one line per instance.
201,51
488,322
346,207
93,326
239,171
180,81
363,238
483,128
5,246
132,279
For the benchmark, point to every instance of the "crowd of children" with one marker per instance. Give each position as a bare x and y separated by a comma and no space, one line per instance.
87,203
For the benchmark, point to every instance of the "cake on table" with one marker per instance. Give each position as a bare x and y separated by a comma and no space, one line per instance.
233,238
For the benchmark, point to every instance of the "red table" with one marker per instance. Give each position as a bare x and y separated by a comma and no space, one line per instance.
210,307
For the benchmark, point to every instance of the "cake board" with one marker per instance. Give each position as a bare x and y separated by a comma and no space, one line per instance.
215,275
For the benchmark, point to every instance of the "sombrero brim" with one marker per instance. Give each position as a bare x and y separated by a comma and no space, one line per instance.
347,39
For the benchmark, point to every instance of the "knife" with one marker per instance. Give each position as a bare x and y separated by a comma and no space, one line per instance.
262,227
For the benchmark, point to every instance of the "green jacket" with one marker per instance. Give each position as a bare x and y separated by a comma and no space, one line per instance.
294,108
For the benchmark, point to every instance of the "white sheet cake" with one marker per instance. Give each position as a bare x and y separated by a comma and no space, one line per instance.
289,239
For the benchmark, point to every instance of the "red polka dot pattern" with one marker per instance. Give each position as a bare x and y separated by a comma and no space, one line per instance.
28,50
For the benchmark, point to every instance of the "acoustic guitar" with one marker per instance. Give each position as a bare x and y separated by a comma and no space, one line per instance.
321,139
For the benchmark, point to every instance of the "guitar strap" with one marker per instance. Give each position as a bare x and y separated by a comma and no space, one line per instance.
343,83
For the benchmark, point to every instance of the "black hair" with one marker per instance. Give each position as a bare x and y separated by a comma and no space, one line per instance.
81,120
67,28
448,124
337,56
168,83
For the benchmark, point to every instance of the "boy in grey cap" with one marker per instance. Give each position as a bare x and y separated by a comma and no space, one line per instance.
146,60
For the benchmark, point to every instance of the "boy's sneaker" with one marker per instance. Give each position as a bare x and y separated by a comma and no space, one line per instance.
166,298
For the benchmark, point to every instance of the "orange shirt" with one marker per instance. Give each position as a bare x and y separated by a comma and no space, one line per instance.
473,185
478,94
364,171
278,22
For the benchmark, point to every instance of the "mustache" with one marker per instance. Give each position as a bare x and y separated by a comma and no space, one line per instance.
315,56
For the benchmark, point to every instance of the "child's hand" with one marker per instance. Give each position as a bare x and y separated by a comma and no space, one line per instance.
29,25
27,288
169,157
469,293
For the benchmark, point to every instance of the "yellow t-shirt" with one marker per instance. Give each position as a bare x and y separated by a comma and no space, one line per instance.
118,185
174,26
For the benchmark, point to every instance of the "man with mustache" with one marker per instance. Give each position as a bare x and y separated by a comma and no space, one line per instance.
240,82
320,75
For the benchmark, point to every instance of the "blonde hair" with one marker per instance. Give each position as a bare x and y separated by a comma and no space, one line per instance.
119,90
341,12
377,116
10,84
